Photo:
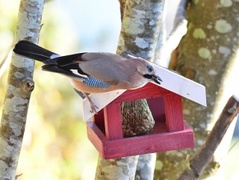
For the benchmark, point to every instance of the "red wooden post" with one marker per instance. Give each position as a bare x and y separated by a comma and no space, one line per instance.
173,112
113,121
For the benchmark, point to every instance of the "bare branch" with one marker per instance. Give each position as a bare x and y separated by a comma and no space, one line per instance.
200,161
20,85
139,35
5,62
122,8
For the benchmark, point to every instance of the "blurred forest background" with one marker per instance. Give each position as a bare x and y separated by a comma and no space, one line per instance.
55,142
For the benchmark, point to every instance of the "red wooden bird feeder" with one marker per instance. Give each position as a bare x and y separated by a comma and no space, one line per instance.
169,133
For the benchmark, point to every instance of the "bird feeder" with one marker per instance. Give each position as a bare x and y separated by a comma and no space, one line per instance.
170,132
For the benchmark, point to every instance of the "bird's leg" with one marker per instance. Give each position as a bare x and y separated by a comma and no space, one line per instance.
92,105
81,94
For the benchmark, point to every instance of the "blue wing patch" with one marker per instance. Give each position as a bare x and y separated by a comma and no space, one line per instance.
90,81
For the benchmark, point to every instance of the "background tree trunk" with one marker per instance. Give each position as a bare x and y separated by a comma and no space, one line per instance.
140,36
20,86
207,54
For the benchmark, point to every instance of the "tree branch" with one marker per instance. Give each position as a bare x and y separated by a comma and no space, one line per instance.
139,33
122,8
20,86
5,62
213,63
204,156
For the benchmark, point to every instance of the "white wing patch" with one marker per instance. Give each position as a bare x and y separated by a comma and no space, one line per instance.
74,71
53,56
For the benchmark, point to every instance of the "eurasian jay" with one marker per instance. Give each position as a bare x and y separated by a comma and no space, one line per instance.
93,72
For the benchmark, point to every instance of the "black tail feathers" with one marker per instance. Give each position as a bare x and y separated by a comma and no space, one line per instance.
31,50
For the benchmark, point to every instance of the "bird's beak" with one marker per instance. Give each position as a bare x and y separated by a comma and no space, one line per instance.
156,79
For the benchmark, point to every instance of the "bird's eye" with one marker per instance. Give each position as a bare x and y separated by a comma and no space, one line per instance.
150,68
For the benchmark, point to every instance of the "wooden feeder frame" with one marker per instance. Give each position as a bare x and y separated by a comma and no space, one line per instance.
170,132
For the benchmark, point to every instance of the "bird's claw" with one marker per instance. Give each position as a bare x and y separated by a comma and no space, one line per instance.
93,109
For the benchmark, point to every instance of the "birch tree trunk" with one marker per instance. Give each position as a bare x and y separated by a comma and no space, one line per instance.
141,27
208,54
20,86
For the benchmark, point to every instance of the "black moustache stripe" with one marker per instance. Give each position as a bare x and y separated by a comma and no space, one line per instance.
148,76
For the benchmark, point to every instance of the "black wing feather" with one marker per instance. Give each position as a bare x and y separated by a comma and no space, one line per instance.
66,64
57,69
65,60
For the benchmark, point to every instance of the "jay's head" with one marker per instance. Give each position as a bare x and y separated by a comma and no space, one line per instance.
148,72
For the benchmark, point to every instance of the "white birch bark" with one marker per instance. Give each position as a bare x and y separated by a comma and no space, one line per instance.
20,86
141,28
